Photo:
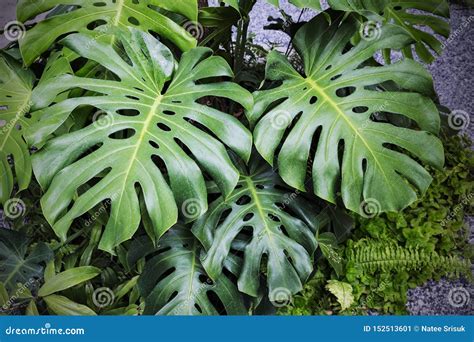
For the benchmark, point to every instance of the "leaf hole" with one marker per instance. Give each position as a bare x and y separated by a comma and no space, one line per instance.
96,23
133,21
153,144
122,134
163,127
243,200
274,218
128,112
160,164
346,91
216,302
284,231
169,112
360,109
335,77
313,99
248,217
364,165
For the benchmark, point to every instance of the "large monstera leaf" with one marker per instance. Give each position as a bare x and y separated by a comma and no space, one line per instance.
313,4
16,265
174,282
103,16
332,116
412,16
265,221
164,136
15,91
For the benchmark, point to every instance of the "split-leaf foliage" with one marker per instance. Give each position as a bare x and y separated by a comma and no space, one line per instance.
169,180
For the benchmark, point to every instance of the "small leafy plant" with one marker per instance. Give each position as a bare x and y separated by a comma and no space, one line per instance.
174,177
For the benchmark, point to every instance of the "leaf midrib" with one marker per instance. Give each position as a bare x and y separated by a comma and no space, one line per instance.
143,132
340,114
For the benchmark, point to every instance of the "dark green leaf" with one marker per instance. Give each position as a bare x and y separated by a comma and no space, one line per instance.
260,218
175,283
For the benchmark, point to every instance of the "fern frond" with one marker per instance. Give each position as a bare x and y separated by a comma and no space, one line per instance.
372,256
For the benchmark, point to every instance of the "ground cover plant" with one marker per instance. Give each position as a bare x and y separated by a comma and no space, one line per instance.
154,160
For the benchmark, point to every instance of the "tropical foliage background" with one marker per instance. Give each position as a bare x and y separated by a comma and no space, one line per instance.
155,160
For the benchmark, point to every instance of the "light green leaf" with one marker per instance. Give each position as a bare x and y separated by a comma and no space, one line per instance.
145,123
342,291
411,16
331,115
63,306
49,271
67,279
125,288
261,217
15,91
313,4
31,309
103,16
184,291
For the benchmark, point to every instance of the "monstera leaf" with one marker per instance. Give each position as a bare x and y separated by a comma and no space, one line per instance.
16,267
103,16
329,115
414,17
313,4
261,218
155,132
15,91
175,283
